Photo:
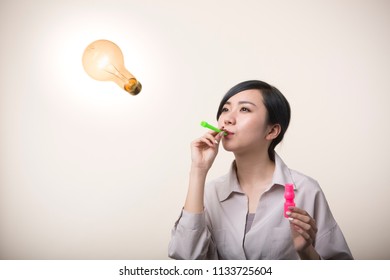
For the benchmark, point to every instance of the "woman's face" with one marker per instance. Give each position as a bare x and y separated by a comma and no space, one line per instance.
244,116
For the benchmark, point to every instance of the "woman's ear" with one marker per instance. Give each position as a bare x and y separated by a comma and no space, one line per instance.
273,131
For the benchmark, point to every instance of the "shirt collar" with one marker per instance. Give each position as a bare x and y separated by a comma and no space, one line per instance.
282,174
280,177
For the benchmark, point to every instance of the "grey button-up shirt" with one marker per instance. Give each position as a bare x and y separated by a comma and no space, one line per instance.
219,231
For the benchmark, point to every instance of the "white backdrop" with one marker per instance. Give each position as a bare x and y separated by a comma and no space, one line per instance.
89,172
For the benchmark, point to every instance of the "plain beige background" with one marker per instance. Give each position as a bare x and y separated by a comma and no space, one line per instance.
90,172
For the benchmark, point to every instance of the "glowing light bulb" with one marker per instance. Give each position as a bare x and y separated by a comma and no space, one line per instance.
103,61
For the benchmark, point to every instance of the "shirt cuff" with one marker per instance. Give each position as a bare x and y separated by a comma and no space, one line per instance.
192,221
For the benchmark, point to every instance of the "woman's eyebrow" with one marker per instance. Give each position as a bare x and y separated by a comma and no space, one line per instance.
241,102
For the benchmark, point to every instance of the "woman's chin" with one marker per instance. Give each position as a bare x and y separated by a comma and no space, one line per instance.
228,147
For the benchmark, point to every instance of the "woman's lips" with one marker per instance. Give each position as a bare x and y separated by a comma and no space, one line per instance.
228,132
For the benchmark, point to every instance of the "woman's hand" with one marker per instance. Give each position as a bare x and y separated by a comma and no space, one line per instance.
303,230
203,152
205,149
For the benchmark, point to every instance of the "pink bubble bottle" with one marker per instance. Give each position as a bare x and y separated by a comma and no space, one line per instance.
289,197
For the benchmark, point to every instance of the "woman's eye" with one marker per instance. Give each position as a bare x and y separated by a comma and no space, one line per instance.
244,109
225,109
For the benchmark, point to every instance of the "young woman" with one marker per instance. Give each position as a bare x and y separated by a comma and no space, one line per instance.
240,215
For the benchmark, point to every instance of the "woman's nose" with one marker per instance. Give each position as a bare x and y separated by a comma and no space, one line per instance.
229,119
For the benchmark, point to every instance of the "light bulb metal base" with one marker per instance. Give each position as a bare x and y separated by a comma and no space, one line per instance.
133,86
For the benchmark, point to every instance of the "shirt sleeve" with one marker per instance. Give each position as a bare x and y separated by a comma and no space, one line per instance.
191,238
332,245
330,242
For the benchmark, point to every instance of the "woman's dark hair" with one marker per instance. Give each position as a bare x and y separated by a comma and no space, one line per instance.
278,108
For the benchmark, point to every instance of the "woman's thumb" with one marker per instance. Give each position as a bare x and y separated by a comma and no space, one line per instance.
219,136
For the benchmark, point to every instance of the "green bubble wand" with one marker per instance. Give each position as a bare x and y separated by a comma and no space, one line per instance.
209,126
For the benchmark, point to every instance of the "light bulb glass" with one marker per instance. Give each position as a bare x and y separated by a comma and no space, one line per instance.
103,61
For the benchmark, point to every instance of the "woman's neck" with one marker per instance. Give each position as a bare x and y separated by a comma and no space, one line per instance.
254,170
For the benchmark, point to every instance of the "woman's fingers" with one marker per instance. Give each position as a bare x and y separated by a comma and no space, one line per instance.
219,136
304,227
211,139
205,149
304,217
303,223
204,140
303,233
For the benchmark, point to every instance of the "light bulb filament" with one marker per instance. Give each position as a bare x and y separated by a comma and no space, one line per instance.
115,72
